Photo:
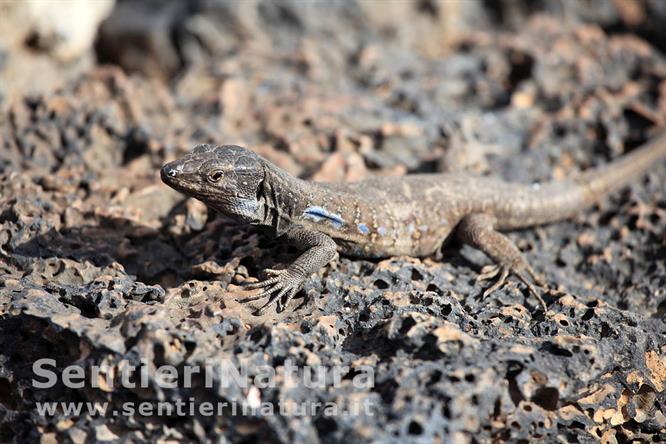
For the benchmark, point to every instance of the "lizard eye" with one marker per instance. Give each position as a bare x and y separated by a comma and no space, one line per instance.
215,176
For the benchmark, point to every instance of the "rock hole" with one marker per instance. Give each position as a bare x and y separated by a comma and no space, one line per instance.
6,398
661,308
407,325
434,378
414,428
556,350
325,425
416,275
513,370
446,412
446,310
546,397
381,284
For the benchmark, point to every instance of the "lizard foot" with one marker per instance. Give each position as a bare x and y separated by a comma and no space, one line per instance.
478,230
279,284
501,272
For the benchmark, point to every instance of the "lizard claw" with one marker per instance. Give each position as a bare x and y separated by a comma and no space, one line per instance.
265,283
282,282
490,272
525,274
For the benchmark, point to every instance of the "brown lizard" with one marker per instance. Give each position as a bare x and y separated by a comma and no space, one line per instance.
390,216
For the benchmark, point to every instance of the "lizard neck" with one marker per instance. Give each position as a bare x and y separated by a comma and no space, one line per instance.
281,197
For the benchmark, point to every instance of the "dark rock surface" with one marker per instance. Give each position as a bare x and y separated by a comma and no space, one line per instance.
101,263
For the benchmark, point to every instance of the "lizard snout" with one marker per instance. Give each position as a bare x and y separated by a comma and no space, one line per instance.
168,172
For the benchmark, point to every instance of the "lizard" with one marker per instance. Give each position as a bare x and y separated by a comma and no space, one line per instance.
379,217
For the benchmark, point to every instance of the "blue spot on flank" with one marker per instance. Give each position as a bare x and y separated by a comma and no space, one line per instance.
381,231
363,228
319,214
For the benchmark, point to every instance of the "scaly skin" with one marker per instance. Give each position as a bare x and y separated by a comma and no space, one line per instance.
389,216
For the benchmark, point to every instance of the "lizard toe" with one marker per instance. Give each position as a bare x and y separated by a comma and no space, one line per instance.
537,278
488,272
261,284
266,292
273,272
290,296
501,272
286,283
525,277
501,280
274,299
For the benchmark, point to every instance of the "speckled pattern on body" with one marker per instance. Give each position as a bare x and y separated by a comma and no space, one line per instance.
377,217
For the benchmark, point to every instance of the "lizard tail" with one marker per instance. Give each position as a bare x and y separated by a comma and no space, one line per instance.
555,201
601,181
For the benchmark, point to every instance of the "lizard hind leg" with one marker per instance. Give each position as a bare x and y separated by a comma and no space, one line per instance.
478,230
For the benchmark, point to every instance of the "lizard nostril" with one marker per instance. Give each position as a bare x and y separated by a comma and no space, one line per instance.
168,171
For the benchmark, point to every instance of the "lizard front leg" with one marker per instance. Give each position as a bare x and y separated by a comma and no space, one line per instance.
478,230
320,250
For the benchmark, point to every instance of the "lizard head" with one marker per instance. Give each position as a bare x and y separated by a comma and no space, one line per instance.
227,178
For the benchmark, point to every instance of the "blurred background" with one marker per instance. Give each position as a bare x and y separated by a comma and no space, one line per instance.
297,74
45,42
101,262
